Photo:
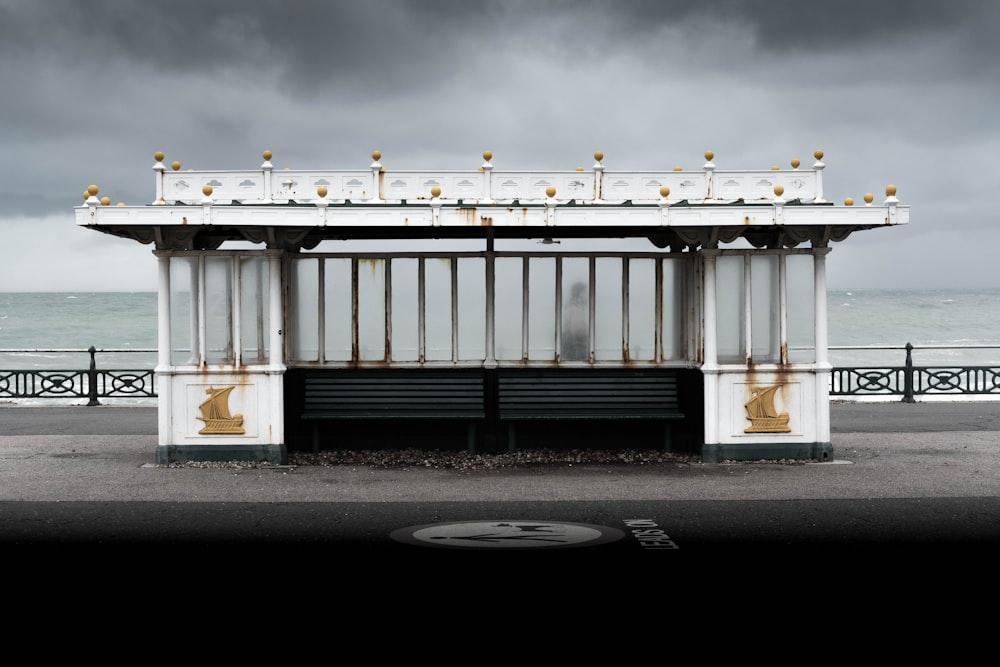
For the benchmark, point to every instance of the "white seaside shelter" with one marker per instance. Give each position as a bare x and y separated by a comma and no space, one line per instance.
685,309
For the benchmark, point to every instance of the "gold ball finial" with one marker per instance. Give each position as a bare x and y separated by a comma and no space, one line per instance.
709,155
849,201
86,195
779,190
436,191
890,190
678,168
550,191
818,155
92,190
376,155
121,203
795,163
158,156
267,155
175,165
664,191
105,201
598,155
487,155
869,197
774,167
321,191
206,190
579,168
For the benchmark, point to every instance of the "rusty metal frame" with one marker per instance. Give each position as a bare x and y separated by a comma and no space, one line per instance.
489,257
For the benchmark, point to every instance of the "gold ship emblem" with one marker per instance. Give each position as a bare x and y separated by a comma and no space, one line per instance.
215,413
763,416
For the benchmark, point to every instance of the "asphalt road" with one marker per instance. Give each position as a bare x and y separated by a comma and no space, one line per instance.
917,479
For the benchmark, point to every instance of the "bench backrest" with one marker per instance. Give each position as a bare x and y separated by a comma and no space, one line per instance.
397,393
530,393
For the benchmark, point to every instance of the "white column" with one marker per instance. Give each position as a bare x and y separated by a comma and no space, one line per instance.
782,342
163,347
818,167
159,169
710,364
376,168
276,358
163,343
822,353
236,302
491,286
598,176
266,169
487,178
202,314
820,307
747,319
709,168
194,311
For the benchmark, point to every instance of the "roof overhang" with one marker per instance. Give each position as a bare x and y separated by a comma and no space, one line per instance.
296,226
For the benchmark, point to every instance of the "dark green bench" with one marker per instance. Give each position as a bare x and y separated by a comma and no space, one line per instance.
587,393
394,394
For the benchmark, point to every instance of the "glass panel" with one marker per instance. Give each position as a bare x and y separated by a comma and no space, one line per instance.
642,309
218,310
304,307
608,309
371,309
542,308
673,309
472,308
183,311
765,332
575,336
337,308
437,322
508,307
800,292
405,311
254,304
729,308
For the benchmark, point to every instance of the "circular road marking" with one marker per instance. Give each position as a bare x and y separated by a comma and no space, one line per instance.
507,535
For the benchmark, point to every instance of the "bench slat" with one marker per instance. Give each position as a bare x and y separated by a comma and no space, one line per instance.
394,394
588,394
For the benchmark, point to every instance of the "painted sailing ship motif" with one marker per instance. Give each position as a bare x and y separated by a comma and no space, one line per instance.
763,416
215,412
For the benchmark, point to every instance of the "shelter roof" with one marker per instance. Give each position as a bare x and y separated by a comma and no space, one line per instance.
292,210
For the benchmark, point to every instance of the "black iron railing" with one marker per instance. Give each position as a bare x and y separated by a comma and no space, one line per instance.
910,381
907,381
92,383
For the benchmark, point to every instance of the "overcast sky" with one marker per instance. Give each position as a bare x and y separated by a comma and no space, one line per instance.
904,92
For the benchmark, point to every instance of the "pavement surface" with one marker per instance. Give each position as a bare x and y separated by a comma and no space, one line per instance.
919,478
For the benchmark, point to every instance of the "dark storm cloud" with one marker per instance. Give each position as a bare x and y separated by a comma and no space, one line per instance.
902,92
306,40
396,43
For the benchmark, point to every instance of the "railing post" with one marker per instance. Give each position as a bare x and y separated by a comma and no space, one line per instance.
92,378
908,376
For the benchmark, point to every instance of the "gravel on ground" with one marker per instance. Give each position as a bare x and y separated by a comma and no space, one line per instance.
459,460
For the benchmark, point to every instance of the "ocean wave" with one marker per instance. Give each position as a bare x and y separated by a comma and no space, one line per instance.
36,355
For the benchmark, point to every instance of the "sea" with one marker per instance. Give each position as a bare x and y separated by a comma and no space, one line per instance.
866,327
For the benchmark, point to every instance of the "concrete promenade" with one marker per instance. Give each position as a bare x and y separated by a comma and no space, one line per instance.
903,475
